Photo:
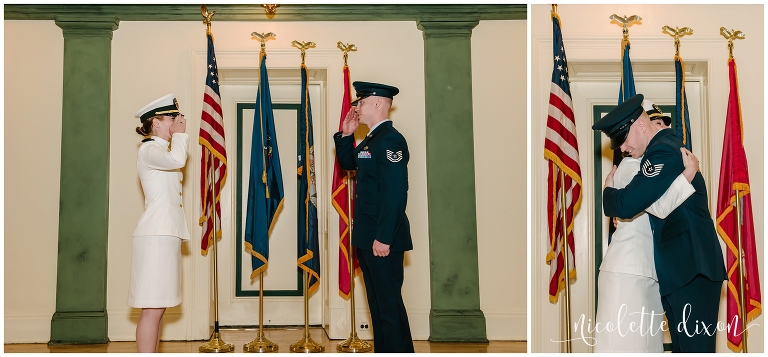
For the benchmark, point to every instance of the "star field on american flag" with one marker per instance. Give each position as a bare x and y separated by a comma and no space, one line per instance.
213,74
560,73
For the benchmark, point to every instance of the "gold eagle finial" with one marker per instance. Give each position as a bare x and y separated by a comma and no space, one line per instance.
207,17
263,37
730,36
624,21
677,33
303,46
346,48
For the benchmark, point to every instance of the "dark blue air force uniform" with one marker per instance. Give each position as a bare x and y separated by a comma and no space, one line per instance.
689,261
381,194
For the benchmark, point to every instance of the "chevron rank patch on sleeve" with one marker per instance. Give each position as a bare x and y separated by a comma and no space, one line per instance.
394,156
651,170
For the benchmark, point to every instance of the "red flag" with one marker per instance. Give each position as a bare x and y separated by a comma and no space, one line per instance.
562,151
339,198
213,163
734,175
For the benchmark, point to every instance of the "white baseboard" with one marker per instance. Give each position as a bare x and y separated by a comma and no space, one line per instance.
36,327
176,325
33,327
506,326
419,320
339,324
500,326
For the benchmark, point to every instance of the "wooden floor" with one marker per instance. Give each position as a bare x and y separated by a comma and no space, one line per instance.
283,337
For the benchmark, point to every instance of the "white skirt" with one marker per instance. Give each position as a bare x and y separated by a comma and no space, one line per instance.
155,272
629,314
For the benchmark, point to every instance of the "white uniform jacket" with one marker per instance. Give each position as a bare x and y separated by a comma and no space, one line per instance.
161,177
631,248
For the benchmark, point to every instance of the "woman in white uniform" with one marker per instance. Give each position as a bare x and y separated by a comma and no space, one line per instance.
156,260
629,310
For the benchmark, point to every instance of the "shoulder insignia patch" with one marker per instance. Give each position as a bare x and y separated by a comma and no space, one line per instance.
651,170
394,156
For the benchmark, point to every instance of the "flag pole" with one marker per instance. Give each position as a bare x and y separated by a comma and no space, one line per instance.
564,248
733,35
306,344
352,344
215,344
567,270
742,302
261,344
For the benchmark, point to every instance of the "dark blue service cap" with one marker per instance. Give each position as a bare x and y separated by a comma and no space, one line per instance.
367,89
616,123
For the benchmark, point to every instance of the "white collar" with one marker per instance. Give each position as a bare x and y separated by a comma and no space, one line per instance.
377,125
159,140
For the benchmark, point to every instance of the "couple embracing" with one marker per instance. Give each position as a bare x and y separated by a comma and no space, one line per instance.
665,254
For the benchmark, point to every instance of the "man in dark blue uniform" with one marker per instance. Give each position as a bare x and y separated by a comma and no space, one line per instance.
381,233
689,261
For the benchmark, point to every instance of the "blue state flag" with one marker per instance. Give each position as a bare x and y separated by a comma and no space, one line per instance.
265,185
682,122
308,243
627,89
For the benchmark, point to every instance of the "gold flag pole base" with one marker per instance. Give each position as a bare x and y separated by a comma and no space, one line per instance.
216,345
307,345
354,344
261,345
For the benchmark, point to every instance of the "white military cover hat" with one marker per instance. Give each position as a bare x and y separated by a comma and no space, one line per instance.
654,112
163,106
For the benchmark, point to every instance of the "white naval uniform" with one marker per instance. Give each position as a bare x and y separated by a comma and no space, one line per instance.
627,283
156,258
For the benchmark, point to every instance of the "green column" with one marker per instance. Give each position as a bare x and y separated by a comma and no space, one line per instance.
81,281
455,289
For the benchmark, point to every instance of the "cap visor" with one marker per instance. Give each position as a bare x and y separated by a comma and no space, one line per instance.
618,140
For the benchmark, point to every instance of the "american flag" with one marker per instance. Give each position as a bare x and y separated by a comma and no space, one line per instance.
562,152
213,164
